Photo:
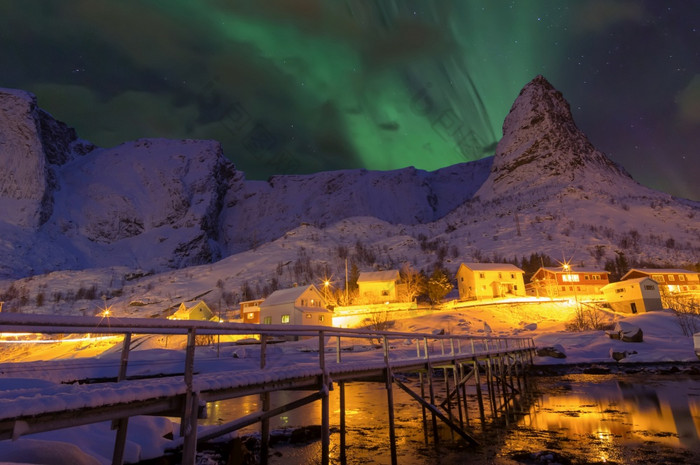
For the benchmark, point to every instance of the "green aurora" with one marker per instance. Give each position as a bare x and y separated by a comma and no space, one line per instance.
297,86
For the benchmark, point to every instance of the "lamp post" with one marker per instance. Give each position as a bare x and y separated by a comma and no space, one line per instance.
567,268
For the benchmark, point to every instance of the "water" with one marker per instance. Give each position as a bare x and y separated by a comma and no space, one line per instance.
622,418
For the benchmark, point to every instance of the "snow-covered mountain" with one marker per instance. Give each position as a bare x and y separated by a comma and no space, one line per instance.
158,206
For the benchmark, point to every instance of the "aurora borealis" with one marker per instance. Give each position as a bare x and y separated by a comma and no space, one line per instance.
297,86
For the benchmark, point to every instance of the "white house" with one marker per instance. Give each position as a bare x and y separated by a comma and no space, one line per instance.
198,311
302,305
378,287
488,280
634,295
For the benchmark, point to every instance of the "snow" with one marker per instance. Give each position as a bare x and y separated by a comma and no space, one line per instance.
38,388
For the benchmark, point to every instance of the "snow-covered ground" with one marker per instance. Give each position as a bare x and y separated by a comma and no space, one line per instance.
58,362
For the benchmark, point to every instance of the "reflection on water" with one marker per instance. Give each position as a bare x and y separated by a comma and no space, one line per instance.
611,413
604,418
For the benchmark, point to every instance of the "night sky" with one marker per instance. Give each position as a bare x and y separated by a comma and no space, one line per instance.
297,86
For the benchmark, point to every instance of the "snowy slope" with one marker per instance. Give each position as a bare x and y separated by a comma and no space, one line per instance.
160,207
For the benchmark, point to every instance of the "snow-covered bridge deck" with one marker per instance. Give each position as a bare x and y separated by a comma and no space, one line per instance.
324,356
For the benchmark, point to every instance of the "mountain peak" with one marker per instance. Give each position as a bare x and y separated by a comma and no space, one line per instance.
542,145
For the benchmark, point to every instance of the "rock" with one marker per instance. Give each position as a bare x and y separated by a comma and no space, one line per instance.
305,434
628,333
530,327
617,356
553,351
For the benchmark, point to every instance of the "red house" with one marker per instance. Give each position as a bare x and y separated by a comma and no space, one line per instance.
567,282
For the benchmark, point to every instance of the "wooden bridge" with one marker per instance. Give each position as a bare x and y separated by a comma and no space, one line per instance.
494,368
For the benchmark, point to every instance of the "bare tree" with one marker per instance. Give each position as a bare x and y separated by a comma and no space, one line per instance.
413,282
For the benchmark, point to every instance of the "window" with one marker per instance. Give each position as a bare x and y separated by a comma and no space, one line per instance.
670,277
570,278
512,276
250,315
659,278
585,277
482,275
619,291
267,320
500,275
461,278
596,276
515,287
563,288
285,318
681,277
649,287
303,303
321,318
308,316
385,292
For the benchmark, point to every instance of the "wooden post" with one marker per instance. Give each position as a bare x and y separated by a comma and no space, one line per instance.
422,395
122,424
431,390
457,379
188,426
343,457
265,401
390,402
325,408
479,396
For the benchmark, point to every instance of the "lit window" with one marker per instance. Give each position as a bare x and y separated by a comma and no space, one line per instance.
570,278
285,318
250,315
267,320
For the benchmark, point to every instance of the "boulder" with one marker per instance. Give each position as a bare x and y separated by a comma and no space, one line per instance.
552,351
627,332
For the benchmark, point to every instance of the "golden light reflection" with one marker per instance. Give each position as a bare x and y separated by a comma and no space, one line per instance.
622,411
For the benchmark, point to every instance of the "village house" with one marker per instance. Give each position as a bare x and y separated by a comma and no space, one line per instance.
250,310
302,305
476,281
635,295
378,287
199,311
675,281
567,282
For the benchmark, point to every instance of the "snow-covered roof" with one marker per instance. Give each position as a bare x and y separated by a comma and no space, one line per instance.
374,276
626,281
659,271
555,269
492,267
285,296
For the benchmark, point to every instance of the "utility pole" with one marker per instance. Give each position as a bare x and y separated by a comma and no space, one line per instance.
346,281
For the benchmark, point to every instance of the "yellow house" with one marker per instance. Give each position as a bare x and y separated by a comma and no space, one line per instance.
378,287
634,295
476,281
198,311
